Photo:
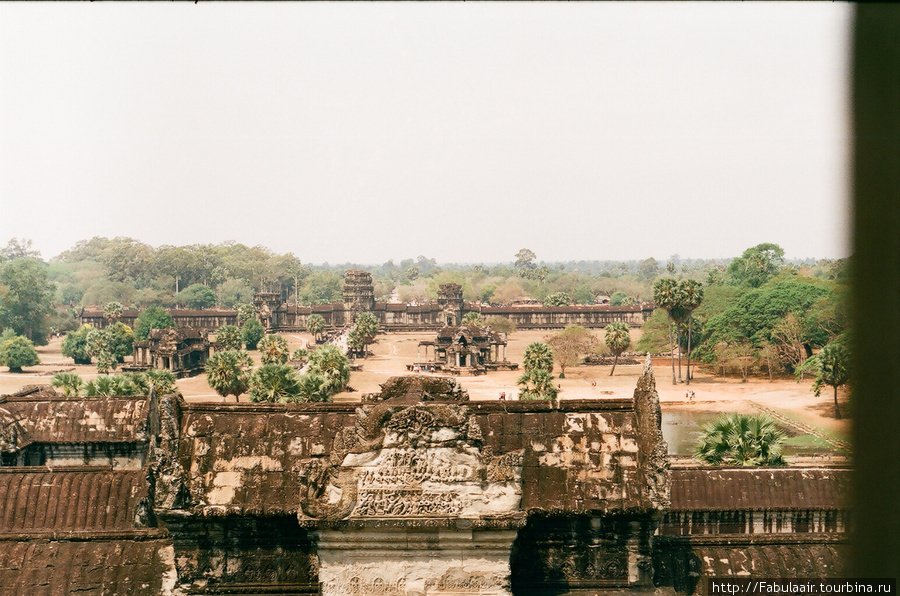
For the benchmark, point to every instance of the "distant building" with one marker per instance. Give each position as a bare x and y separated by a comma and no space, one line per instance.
183,351
464,349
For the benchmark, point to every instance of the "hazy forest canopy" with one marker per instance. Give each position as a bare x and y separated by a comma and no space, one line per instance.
755,303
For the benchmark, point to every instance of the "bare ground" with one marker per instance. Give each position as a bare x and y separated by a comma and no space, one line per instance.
391,353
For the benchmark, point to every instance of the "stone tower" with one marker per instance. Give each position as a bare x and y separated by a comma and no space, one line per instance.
450,297
359,294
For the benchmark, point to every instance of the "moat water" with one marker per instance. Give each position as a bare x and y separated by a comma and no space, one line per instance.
682,430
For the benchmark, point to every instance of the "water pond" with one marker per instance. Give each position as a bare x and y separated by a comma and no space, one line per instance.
681,430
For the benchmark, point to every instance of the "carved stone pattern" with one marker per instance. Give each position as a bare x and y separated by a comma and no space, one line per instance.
358,585
506,467
407,502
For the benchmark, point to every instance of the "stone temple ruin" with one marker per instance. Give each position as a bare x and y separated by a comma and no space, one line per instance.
415,491
359,296
464,350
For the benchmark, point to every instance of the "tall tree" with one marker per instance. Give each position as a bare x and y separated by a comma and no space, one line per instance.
153,317
112,312
831,367
332,365
537,356
618,338
525,259
252,332
691,298
228,337
26,296
273,349
228,373
756,265
569,345
666,296
315,324
366,328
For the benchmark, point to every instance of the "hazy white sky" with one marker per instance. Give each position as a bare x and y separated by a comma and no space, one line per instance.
463,132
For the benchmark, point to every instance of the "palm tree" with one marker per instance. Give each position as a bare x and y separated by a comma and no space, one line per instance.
315,324
742,440
229,337
163,381
331,364
537,356
70,383
537,384
366,328
691,297
112,312
228,373
667,297
618,338
273,349
274,383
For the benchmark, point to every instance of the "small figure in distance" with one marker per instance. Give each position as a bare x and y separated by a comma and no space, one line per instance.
503,396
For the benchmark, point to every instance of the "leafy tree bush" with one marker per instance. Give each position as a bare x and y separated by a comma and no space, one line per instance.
558,299
831,367
569,345
738,439
245,312
537,356
333,366
229,337
500,324
100,347
274,383
756,266
754,315
70,383
618,338
17,352
196,296
315,324
154,317
228,373
26,299
75,345
252,332
121,340
273,349
473,318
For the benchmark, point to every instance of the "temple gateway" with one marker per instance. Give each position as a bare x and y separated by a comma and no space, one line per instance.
416,491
